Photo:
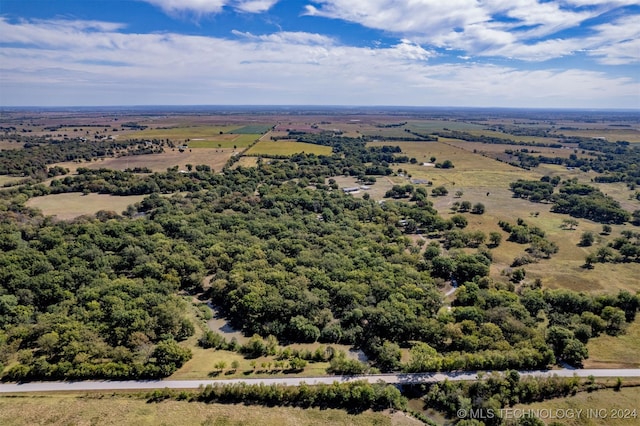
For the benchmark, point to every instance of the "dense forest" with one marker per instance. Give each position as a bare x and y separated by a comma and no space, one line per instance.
285,253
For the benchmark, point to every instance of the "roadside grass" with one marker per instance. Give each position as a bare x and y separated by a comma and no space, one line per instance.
599,408
71,205
265,147
121,409
215,158
616,352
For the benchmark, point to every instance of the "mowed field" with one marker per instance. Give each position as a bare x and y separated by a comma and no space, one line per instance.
122,409
71,205
268,147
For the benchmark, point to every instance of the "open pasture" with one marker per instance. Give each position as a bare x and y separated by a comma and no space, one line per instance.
216,158
277,148
497,150
71,205
471,169
482,179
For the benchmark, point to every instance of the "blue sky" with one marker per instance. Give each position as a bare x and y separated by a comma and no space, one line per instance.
482,53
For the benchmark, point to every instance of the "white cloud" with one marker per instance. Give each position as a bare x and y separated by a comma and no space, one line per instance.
255,6
198,6
203,7
75,63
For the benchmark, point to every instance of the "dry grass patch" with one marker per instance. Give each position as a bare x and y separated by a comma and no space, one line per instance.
71,205
122,410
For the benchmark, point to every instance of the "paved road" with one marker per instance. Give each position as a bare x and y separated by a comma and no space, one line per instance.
290,381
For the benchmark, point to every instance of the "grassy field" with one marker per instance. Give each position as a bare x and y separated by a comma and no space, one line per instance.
72,205
4,179
287,148
121,409
616,352
216,158
246,162
591,408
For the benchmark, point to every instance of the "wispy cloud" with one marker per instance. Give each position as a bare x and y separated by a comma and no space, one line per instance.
92,63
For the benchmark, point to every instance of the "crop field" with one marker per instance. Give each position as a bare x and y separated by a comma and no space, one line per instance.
71,205
216,158
277,148
122,409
